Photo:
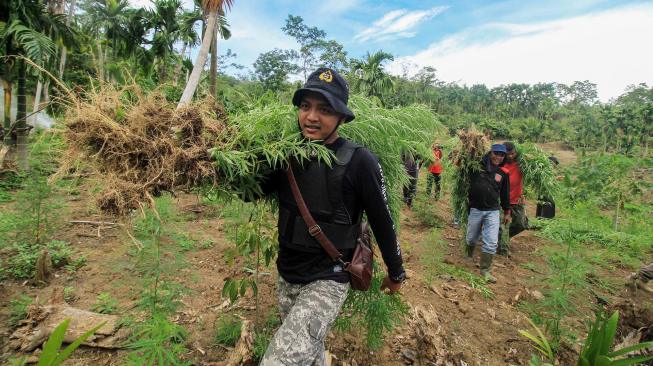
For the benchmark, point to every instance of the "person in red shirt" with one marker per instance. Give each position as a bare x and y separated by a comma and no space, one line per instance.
519,220
436,170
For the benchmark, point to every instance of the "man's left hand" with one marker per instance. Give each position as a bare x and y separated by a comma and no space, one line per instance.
506,217
391,286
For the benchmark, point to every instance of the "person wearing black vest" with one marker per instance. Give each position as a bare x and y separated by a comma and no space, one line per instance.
311,286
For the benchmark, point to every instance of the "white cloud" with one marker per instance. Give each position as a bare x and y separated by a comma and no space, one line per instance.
397,24
610,48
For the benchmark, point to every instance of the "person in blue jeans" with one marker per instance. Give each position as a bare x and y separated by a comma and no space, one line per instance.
489,191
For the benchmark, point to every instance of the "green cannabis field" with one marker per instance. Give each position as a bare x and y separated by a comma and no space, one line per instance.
132,232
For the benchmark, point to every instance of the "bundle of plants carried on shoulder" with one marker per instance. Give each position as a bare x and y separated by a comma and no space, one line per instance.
142,146
467,151
537,170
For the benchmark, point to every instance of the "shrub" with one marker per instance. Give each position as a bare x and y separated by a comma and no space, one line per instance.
228,330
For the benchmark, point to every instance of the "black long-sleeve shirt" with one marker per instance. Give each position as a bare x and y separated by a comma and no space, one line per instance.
489,186
363,190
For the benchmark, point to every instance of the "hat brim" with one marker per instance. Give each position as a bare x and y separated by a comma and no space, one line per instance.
335,103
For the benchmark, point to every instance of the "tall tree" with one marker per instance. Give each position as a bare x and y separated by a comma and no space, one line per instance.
310,39
371,78
222,29
163,18
212,8
188,36
28,33
272,68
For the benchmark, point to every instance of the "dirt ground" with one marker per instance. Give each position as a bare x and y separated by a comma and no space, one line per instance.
465,327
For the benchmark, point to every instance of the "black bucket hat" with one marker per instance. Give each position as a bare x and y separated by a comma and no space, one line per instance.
328,83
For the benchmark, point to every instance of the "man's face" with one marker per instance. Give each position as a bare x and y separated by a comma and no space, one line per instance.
511,156
496,157
317,119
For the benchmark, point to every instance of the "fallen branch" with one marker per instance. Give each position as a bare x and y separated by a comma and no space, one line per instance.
101,223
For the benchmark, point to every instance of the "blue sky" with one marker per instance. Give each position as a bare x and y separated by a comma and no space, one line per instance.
491,42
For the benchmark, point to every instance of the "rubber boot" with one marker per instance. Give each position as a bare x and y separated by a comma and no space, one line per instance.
486,265
636,282
469,252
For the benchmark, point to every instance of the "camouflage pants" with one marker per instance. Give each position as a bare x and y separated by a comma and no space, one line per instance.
646,272
307,312
518,224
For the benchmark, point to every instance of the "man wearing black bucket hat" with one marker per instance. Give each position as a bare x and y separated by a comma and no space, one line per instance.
311,286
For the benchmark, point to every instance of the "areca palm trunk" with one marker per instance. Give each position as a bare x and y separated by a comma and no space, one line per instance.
180,64
6,86
194,79
21,114
37,100
64,50
213,73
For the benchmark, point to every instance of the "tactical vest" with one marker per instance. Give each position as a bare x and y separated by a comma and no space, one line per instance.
321,188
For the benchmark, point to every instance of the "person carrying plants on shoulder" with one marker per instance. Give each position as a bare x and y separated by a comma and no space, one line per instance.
489,189
312,287
412,169
519,220
435,169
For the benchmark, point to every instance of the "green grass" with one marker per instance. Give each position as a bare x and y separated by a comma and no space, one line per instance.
228,330
432,260
105,304
18,309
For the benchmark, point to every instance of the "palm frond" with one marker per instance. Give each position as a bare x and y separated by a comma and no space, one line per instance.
36,46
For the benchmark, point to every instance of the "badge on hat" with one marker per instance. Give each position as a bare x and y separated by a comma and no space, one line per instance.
326,76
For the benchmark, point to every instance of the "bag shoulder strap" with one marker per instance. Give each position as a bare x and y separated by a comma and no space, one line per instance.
313,228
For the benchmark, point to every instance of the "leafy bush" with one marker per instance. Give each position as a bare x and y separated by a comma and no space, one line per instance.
18,309
157,341
60,252
105,304
373,312
22,263
228,330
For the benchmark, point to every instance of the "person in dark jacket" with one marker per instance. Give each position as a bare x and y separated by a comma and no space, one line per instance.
489,191
412,169
311,286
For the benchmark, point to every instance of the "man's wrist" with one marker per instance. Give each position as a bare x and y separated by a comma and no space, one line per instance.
400,278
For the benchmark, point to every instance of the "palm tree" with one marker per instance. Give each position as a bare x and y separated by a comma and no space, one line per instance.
64,49
371,78
223,30
164,19
212,7
187,35
27,32
108,22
